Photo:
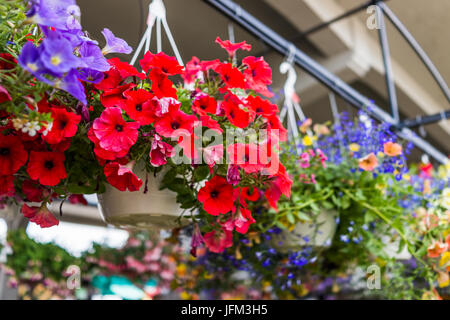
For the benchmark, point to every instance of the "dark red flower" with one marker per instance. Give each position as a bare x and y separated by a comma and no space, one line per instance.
218,240
175,122
232,106
47,167
4,95
9,64
231,48
216,196
139,106
258,75
204,104
114,133
249,194
65,125
40,215
78,199
262,107
121,177
161,85
230,75
32,190
7,186
12,154
168,66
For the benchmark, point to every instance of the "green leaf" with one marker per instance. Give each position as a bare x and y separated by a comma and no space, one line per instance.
200,173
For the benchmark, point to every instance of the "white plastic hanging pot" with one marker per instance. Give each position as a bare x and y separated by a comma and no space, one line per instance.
318,233
155,208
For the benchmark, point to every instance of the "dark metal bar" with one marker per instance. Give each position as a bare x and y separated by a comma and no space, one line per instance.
417,49
384,43
338,18
424,120
335,84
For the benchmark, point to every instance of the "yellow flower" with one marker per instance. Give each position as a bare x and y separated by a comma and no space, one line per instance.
443,279
354,147
307,141
445,259
380,154
407,177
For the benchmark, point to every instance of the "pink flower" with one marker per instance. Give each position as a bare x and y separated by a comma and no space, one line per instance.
233,176
231,48
304,160
322,157
174,122
218,240
197,240
114,133
241,221
213,154
159,152
132,263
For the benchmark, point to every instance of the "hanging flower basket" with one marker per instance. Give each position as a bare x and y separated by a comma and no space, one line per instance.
143,208
318,233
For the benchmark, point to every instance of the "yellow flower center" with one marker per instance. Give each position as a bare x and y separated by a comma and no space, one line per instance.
55,60
32,66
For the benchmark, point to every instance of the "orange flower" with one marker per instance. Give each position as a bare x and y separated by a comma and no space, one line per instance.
369,162
392,149
436,249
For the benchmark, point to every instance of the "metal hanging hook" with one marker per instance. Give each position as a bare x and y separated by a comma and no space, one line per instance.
156,15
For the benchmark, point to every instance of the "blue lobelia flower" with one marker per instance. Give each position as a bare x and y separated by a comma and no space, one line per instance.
114,44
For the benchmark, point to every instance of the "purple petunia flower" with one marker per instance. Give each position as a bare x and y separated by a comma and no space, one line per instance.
114,44
90,75
72,85
92,57
29,59
57,56
233,176
51,13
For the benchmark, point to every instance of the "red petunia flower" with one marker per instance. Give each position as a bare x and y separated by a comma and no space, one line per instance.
258,75
241,221
161,85
4,95
102,153
216,196
7,186
115,97
281,184
12,154
248,157
230,75
218,240
174,123
139,106
168,66
262,107
207,121
40,215
125,69
111,79
114,133
191,70
276,129
47,167
231,48
248,194
159,152
204,104
65,125
232,106
121,177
